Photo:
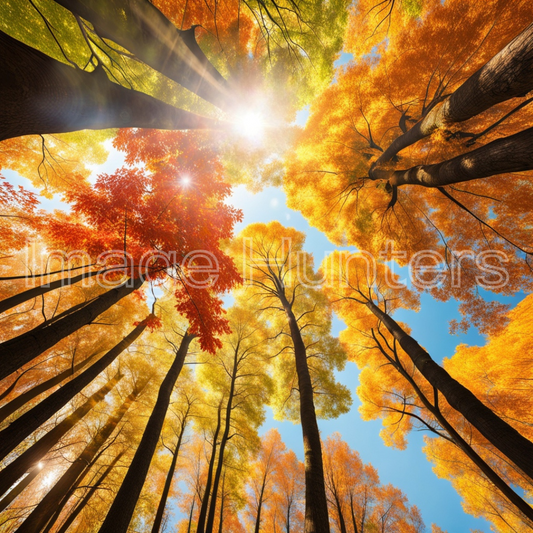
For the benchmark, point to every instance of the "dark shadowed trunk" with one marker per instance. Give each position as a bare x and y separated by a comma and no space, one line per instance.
15,491
16,352
260,504
500,434
49,504
200,528
21,428
41,95
31,456
22,399
508,74
354,521
316,506
121,511
342,523
508,154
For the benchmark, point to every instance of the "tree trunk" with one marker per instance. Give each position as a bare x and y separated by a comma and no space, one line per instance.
34,292
41,95
168,482
74,514
22,399
507,75
15,491
37,451
16,352
21,428
48,505
224,440
222,498
121,511
500,434
508,154
143,30
342,523
354,521
260,505
316,506
200,528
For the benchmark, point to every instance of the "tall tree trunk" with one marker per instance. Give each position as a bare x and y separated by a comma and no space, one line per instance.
190,517
498,432
354,521
37,451
222,499
342,523
508,154
34,292
223,441
21,428
143,30
16,352
121,511
48,505
200,528
41,95
316,505
15,491
260,505
168,482
81,505
507,75
22,399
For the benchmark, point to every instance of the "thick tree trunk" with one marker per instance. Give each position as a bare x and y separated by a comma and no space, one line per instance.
74,514
32,455
508,154
15,491
500,434
507,75
143,30
41,95
48,505
223,441
21,428
200,528
316,506
34,292
168,482
16,352
121,511
16,403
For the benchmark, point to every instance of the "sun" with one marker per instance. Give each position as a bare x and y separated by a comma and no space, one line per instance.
250,124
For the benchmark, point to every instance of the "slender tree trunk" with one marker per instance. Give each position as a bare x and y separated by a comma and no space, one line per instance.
15,491
288,524
37,451
34,292
41,95
508,154
500,434
316,506
48,505
143,30
121,511
507,75
16,352
342,523
81,505
222,500
22,399
223,441
21,428
200,528
354,521
260,505
168,482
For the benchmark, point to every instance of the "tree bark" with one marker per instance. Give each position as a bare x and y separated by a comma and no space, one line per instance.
354,521
200,528
37,451
15,491
500,434
508,154
21,428
48,505
74,514
34,292
342,523
121,511
260,505
168,482
507,75
16,352
22,399
143,30
316,506
41,95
